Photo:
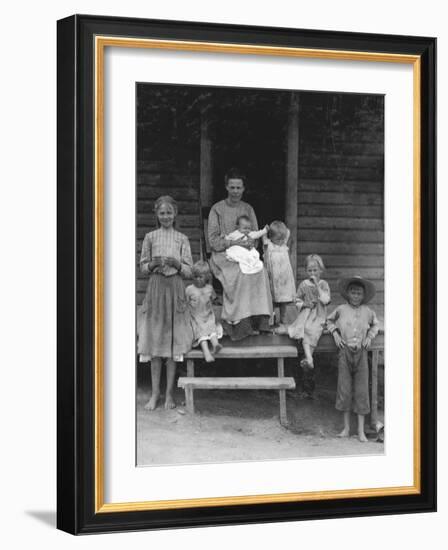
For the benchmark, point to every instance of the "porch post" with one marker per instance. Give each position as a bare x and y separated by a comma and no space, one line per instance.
206,188
292,177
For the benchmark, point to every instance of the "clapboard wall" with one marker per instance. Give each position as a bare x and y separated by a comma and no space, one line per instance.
341,188
340,183
166,178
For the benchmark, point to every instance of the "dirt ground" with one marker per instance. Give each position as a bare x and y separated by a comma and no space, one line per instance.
243,425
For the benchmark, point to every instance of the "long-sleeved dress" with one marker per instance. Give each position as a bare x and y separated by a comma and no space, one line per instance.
245,295
310,321
163,323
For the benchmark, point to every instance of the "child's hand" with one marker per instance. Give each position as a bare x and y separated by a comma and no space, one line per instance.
193,301
239,242
245,243
338,340
249,243
367,342
310,304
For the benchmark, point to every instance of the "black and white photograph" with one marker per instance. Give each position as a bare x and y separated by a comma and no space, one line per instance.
260,276
199,198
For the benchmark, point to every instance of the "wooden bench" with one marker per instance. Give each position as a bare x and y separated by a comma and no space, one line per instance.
253,347
276,347
237,383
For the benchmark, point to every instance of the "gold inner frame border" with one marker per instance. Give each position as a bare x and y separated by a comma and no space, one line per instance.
100,43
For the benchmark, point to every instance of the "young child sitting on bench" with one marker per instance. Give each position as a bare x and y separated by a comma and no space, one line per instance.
199,297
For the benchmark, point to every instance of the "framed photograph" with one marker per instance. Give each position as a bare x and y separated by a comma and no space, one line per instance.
246,274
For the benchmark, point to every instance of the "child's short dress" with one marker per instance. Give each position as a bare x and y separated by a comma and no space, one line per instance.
281,276
310,322
202,316
163,321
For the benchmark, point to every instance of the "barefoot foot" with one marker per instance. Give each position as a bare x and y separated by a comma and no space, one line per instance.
208,357
169,402
362,437
217,349
281,329
152,403
345,433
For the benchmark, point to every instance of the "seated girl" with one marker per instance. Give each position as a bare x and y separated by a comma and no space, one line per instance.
199,297
313,296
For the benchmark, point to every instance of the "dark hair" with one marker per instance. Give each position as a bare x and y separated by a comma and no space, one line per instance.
234,173
242,217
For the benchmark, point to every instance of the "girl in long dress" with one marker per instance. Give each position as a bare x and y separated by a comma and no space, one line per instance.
164,329
278,265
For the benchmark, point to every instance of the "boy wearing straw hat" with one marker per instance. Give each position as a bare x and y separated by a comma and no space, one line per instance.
353,326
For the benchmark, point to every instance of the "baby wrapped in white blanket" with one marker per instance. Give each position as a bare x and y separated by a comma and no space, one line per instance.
248,259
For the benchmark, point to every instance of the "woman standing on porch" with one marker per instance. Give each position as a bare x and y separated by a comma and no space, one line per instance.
247,301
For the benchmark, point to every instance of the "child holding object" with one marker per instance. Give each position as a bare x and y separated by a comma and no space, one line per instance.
353,326
313,296
241,251
164,329
199,296
278,265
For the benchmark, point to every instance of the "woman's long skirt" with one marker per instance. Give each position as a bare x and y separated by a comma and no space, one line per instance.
247,300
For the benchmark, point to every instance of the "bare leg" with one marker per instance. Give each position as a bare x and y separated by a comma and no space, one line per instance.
346,431
361,435
308,350
282,308
170,375
205,349
216,346
156,367
281,329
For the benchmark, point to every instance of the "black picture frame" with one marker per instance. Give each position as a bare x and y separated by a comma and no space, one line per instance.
76,511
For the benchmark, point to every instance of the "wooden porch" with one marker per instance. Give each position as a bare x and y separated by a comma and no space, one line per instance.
270,346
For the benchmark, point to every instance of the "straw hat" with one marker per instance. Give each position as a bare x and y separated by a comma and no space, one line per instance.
369,287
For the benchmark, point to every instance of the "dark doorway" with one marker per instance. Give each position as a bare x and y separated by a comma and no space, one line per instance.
251,135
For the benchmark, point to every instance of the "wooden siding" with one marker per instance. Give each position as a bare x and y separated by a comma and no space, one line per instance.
340,195
166,178
340,190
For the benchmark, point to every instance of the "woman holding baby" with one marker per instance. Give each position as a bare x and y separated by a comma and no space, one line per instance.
247,301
